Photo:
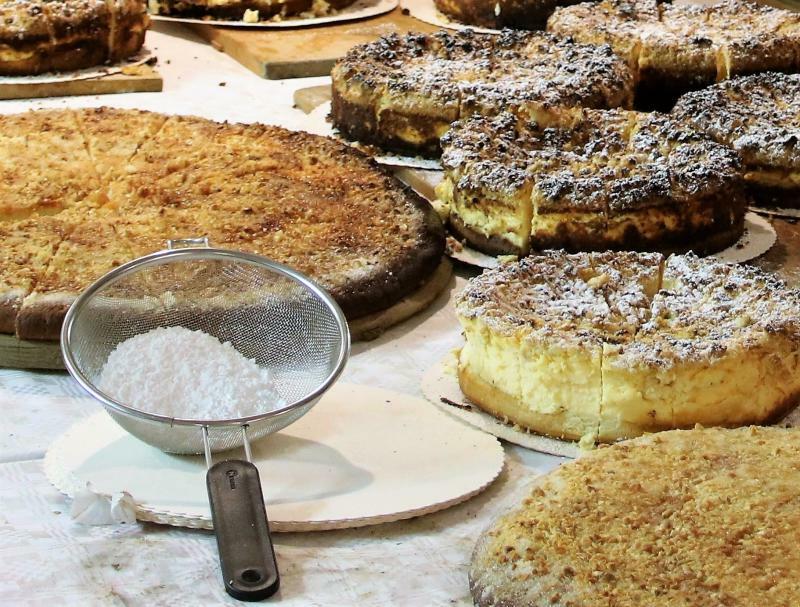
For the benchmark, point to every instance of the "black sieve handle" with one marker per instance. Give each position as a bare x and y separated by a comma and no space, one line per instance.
246,555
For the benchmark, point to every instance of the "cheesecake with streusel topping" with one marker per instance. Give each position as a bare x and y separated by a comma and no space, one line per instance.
610,179
612,345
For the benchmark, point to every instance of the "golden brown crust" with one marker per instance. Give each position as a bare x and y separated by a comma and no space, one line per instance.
676,518
307,201
38,36
402,93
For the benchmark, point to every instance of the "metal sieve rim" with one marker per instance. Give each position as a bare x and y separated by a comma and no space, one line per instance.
167,256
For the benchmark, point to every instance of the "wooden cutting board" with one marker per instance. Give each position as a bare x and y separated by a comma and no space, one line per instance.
303,52
21,354
145,79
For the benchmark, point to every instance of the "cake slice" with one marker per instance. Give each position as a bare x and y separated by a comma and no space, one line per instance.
91,247
27,248
48,169
526,326
113,137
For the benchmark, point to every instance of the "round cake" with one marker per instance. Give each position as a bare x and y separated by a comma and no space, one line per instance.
497,14
759,117
250,11
704,517
402,93
613,179
679,47
606,346
39,36
84,191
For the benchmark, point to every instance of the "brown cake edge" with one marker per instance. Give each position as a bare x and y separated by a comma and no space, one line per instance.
360,123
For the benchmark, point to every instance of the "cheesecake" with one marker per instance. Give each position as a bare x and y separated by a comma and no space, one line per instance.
608,346
759,117
38,36
675,48
609,179
401,93
248,11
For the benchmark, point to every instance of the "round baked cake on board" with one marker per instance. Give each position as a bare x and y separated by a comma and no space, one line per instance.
675,48
497,14
38,36
701,517
84,191
759,117
250,11
402,93
607,346
612,179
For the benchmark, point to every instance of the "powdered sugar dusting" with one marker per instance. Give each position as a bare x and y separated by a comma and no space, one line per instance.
655,312
177,372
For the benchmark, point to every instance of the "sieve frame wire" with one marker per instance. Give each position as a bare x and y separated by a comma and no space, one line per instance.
200,253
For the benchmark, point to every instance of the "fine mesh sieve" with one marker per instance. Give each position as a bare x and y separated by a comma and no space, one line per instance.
270,314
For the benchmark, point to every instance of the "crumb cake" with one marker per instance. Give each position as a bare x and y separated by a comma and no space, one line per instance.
702,517
606,346
82,191
678,47
402,93
613,179
250,11
758,116
39,36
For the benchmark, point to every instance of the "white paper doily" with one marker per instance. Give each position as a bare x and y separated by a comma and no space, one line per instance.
361,9
143,56
759,236
426,11
361,456
440,386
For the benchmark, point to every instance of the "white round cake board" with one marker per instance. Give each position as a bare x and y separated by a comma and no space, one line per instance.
426,11
759,236
361,456
360,9
140,58
777,212
440,386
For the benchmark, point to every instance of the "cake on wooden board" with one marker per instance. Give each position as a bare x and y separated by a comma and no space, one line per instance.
39,36
116,184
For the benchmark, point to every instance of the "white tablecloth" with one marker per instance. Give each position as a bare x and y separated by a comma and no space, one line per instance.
47,559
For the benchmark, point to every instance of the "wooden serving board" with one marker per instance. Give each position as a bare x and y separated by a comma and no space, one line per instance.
303,52
145,80
22,354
